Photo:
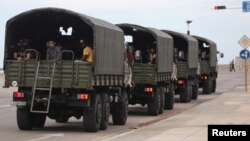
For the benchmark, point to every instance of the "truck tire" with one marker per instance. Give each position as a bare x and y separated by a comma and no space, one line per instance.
195,90
169,98
25,120
214,85
185,92
162,100
120,110
154,104
92,117
207,86
39,120
105,111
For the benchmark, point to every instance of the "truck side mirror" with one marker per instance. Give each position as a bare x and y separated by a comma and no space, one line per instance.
221,55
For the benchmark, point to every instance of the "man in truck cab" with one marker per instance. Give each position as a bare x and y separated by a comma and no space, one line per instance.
87,52
19,51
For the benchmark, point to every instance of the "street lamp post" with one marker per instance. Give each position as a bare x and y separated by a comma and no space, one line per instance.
188,22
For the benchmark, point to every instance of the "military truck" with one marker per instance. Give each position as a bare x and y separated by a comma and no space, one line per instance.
186,65
208,64
151,82
64,88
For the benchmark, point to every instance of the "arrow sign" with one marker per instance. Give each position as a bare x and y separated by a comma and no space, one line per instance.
244,54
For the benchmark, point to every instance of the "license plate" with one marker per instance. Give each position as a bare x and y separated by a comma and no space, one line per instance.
20,103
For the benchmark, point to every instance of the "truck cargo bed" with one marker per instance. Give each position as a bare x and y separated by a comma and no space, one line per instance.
68,74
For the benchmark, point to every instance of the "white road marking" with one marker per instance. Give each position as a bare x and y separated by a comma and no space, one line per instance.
119,135
4,106
123,134
46,136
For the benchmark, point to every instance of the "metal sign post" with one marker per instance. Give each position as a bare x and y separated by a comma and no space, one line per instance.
246,75
245,54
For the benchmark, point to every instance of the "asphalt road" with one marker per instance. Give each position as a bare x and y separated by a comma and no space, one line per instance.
74,129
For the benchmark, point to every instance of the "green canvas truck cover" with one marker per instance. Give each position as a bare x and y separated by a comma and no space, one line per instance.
212,49
192,45
164,45
108,39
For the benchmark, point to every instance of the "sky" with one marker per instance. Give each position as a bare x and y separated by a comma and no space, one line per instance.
225,27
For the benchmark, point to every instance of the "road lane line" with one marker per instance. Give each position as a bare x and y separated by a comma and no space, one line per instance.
113,137
48,136
4,106
119,135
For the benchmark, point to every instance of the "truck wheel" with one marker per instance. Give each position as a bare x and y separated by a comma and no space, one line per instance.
92,117
25,120
105,111
162,100
169,98
207,86
195,89
120,110
154,104
185,92
214,85
39,120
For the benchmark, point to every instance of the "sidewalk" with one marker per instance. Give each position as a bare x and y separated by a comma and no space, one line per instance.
229,108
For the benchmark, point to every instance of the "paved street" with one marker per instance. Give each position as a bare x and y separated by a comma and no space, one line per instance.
139,126
231,107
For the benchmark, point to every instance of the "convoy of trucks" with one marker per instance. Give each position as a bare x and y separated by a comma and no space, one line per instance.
131,64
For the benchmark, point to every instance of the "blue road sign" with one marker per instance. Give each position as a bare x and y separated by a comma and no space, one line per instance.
244,54
246,6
